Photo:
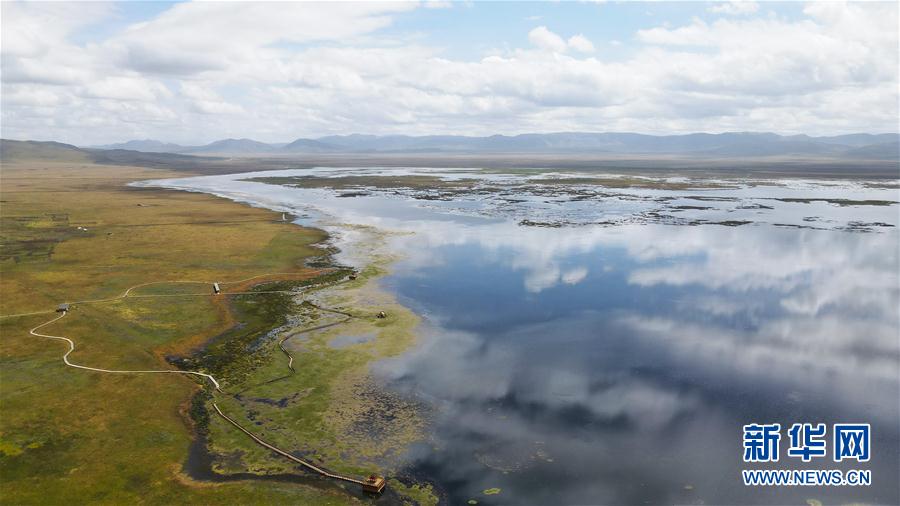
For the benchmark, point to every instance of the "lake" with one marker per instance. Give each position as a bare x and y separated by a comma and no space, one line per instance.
588,344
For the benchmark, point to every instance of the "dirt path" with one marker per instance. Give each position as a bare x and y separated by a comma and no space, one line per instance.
292,335
65,357
215,383
127,292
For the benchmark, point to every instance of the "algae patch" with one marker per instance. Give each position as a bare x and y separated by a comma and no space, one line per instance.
422,495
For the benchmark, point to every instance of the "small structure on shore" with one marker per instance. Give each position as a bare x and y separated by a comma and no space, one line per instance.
216,289
352,276
381,314
62,308
374,484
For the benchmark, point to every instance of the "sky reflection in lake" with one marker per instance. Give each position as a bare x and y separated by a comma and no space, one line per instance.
614,365
631,356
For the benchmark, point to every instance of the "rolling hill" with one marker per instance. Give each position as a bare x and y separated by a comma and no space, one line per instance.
734,144
39,150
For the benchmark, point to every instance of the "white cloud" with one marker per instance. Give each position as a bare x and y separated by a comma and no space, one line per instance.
581,43
35,29
309,69
738,8
546,40
202,36
574,276
31,97
205,100
124,89
438,4
807,304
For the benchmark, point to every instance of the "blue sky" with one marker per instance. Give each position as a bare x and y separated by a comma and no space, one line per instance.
188,72
476,28
473,29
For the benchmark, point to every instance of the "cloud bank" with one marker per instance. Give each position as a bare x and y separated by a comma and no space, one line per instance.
197,72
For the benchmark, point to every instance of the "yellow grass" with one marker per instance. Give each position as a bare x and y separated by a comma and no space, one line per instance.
71,436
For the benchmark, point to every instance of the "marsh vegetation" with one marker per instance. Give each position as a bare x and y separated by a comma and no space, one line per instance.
583,340
76,233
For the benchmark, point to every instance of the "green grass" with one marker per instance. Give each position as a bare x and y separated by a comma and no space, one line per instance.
169,236
83,437
329,397
76,437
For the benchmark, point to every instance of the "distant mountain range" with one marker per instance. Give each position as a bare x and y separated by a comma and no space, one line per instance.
834,156
725,145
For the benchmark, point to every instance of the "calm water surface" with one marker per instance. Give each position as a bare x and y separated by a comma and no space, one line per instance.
617,364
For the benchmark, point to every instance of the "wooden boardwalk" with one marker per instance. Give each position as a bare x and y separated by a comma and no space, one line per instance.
287,455
372,485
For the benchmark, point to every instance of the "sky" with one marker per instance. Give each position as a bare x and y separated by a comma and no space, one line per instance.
191,73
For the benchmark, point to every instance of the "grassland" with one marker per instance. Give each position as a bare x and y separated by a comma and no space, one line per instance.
75,437
329,410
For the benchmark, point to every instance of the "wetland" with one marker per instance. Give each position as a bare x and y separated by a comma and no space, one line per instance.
572,338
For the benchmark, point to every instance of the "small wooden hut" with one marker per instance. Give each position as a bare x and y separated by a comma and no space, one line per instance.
374,484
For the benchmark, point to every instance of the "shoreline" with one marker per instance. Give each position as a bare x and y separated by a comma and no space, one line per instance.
371,267
81,234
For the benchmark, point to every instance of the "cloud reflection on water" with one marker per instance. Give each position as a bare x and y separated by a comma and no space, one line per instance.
617,364
765,323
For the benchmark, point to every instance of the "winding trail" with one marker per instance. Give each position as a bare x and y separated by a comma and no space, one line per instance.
292,335
215,383
123,371
285,454
127,292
